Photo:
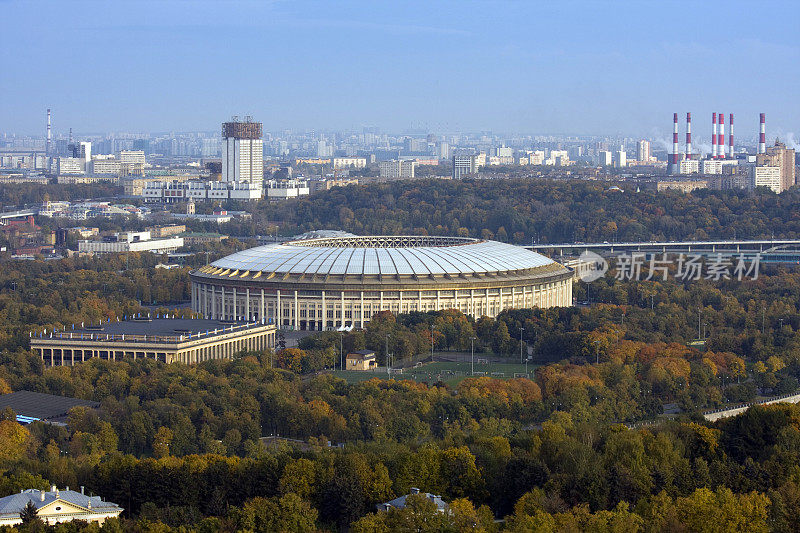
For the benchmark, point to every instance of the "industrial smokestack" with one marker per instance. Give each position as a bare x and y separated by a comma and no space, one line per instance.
688,136
730,137
762,136
49,135
713,136
721,137
675,142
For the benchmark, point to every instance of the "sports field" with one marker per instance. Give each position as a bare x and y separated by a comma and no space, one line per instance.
449,372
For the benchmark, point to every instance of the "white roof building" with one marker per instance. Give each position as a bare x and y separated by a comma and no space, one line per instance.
56,506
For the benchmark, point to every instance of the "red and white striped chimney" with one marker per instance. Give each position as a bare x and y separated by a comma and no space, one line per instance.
721,137
762,136
675,140
714,136
688,136
730,137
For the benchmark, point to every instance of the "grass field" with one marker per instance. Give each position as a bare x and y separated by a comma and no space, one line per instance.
449,372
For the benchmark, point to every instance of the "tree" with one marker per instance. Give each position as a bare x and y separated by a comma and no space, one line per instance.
29,513
162,441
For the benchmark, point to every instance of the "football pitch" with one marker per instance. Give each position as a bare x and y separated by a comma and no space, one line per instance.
449,372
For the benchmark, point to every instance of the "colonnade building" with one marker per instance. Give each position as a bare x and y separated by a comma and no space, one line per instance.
340,282
169,340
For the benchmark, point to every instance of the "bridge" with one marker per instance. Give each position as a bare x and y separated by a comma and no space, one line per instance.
771,250
8,216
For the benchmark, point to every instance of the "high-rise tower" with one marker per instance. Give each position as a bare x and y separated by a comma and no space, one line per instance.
242,151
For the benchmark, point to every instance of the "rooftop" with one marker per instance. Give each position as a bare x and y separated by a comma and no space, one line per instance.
30,406
154,329
12,505
382,255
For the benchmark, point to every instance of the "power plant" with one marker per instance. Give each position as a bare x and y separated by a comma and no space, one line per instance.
686,164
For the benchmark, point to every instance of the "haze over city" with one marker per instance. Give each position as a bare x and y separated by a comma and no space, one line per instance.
579,68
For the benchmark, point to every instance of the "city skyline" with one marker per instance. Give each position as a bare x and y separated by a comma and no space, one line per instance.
461,67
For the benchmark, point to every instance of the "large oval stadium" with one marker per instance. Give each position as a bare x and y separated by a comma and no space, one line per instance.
339,282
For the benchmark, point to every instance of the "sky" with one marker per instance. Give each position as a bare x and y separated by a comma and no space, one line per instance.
531,67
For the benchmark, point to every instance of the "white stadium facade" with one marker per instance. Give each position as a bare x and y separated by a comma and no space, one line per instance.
339,282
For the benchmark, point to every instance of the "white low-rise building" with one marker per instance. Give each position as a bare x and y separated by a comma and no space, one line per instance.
285,189
132,241
56,506
177,191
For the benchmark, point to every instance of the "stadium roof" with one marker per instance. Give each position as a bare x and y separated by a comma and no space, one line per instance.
384,256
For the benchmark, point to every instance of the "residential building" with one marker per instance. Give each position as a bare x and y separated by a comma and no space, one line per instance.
558,158
767,177
397,169
643,151
70,165
689,166
783,158
604,158
349,162
105,166
681,185
464,165
327,184
620,159
242,152
132,156
56,506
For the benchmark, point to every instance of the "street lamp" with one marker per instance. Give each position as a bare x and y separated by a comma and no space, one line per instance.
432,329
341,351
597,353
472,371
521,329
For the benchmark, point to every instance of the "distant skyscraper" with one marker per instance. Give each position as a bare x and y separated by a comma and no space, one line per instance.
643,151
604,158
242,151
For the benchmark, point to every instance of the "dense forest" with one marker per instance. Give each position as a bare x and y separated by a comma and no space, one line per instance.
522,211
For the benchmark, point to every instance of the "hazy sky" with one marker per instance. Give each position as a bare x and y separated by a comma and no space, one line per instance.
560,67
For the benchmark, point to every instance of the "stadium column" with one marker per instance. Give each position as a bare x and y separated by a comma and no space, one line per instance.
324,312
400,309
213,301
247,304
221,304
362,310
438,300
278,310
262,314
472,303
295,312
235,307
342,309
